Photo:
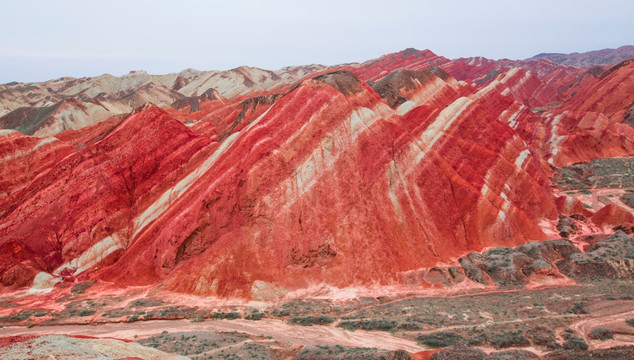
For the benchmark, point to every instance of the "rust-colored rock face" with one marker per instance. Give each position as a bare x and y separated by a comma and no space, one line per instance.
348,176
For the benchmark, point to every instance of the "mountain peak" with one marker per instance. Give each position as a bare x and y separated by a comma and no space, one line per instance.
344,81
415,52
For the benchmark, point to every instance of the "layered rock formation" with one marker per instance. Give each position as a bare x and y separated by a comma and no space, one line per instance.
47,108
256,183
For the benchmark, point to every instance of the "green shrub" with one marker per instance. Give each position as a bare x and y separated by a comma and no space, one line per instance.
373,324
630,322
478,339
256,315
409,326
575,343
311,320
324,320
228,316
601,333
439,339
542,336
509,339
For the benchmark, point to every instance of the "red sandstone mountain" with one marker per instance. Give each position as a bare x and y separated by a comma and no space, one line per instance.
253,183
40,109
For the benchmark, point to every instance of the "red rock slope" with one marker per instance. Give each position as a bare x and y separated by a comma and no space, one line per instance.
328,181
330,184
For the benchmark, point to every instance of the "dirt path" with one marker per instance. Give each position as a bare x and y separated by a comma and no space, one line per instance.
611,316
278,330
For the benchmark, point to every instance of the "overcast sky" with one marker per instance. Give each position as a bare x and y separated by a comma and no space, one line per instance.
41,40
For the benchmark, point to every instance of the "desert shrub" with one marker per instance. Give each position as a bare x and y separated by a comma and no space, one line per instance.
478,339
575,343
373,324
114,313
311,320
630,322
542,336
229,316
233,315
87,312
578,308
150,302
256,315
302,320
601,333
509,339
324,320
408,326
173,312
439,339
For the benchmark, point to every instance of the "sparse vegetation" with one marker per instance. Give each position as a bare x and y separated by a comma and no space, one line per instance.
601,333
578,308
575,343
601,173
18,317
82,287
527,318
87,312
199,345
325,352
542,336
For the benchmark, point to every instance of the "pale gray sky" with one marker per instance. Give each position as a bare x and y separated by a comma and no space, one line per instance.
42,40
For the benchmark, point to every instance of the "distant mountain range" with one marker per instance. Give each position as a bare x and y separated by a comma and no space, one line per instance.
598,57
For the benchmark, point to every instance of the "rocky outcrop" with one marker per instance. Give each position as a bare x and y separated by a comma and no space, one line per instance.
611,257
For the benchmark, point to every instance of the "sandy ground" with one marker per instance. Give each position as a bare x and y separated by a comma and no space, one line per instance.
611,316
278,330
